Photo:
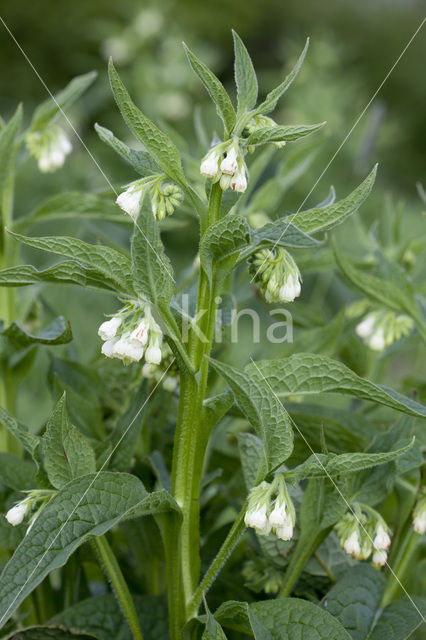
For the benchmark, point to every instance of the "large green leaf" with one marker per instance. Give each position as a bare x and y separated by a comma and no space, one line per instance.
273,96
16,473
57,332
245,76
152,270
66,272
252,453
66,452
50,108
107,261
44,632
400,619
215,89
87,506
157,143
355,599
397,295
324,218
289,133
263,409
213,630
307,374
222,242
286,619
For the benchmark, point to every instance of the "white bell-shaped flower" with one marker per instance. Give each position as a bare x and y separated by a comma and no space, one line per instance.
16,514
108,348
108,329
382,540
380,558
365,328
351,545
210,164
140,334
257,519
239,181
285,532
229,164
130,201
128,349
153,353
377,341
278,515
419,523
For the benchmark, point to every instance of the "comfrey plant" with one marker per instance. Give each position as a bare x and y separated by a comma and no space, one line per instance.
191,483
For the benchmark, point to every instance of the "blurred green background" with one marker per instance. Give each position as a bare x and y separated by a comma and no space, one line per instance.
353,47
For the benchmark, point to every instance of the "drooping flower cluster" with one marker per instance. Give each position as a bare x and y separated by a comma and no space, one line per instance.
380,329
263,122
277,274
49,147
270,509
165,196
224,163
22,509
132,334
419,513
364,532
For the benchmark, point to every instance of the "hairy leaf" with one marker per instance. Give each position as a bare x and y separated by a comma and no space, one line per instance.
66,272
57,332
223,240
400,619
282,134
245,75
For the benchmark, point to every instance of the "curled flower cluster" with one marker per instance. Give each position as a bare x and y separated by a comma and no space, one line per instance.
16,515
270,509
277,274
419,513
380,329
364,533
165,196
132,334
49,147
224,163
263,122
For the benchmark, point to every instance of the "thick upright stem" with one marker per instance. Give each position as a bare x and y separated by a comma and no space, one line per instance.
401,565
304,549
113,571
190,443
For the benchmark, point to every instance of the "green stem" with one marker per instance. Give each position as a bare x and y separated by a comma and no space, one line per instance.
304,549
169,525
225,551
190,441
401,565
112,569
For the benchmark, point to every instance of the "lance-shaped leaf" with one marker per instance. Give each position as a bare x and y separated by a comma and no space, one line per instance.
263,409
8,135
282,134
157,143
324,218
215,89
107,261
307,374
57,332
279,233
66,272
141,161
400,298
331,465
273,96
222,242
51,107
287,619
28,440
152,270
87,506
66,452
245,76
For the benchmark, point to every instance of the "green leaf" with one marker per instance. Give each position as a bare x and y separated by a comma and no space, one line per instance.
50,108
355,599
282,134
16,473
152,270
222,242
306,374
286,619
67,453
87,506
141,161
399,620
324,218
320,465
109,262
215,90
252,455
273,96
66,272
157,143
102,616
213,630
263,410
127,431
245,75
48,633
400,298
57,332
279,233
73,205
28,440
7,149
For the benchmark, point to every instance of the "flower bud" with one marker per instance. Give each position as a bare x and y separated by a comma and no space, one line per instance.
419,513
257,519
225,181
365,328
380,558
351,545
16,514
130,201
382,540
210,164
239,181
285,532
377,341
278,515
153,353
229,164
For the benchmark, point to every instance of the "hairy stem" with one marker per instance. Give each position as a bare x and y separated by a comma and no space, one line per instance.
401,565
113,571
